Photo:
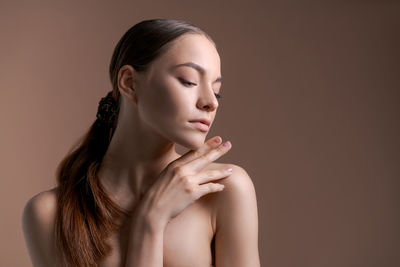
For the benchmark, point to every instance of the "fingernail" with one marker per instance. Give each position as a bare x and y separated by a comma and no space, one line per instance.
226,144
217,140
229,169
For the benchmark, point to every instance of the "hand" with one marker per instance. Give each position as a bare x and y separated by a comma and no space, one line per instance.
182,182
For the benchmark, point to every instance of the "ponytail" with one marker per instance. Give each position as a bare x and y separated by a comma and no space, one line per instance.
86,216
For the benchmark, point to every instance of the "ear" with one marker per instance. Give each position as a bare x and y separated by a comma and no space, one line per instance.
127,82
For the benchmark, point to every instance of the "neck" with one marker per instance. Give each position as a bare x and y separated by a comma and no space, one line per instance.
133,161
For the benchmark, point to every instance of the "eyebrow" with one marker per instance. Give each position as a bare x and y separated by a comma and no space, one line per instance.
198,68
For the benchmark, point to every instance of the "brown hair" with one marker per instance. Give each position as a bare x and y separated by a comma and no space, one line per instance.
86,216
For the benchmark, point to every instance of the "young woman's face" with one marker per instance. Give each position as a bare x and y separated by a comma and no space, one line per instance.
171,96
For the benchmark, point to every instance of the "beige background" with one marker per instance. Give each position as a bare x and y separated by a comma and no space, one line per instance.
311,104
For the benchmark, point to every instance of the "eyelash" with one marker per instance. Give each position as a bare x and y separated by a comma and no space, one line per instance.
218,96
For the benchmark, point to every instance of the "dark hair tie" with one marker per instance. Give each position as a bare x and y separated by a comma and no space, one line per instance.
107,110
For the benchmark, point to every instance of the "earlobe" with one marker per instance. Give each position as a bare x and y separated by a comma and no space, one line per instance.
126,83
129,93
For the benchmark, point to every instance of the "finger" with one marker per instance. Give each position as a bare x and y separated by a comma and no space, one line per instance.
199,163
193,154
208,188
211,175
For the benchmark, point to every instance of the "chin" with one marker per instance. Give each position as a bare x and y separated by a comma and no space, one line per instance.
192,142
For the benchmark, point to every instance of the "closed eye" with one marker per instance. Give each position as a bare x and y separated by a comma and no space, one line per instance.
183,81
186,82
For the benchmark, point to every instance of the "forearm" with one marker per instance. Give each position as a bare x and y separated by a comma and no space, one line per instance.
145,247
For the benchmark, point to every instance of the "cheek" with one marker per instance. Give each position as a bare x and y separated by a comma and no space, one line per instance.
166,102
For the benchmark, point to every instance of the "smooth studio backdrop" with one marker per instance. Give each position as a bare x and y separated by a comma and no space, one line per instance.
311,104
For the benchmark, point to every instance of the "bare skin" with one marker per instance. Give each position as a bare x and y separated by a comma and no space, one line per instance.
155,111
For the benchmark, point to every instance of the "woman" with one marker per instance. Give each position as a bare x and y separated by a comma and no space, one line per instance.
124,196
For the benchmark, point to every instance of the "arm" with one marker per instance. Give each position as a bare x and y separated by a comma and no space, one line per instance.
236,238
180,184
145,247
38,226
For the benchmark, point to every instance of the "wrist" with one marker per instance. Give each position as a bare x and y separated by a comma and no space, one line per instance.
150,221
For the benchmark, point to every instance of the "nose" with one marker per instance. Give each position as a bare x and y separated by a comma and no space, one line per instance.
207,99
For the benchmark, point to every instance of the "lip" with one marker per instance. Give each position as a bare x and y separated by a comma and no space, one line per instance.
200,125
202,120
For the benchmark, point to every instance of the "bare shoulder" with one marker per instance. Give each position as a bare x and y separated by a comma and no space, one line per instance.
38,217
239,182
40,208
239,188
236,237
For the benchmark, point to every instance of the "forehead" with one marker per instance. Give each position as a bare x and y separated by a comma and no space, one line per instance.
191,48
